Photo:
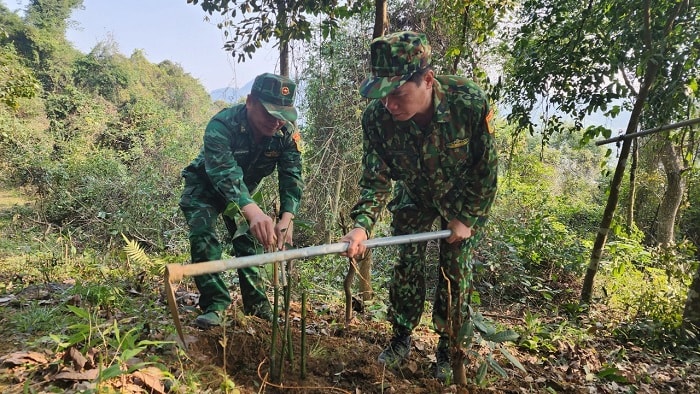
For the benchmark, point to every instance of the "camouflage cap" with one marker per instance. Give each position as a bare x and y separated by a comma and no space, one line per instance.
276,93
394,59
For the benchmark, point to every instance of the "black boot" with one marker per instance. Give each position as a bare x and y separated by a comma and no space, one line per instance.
397,352
443,367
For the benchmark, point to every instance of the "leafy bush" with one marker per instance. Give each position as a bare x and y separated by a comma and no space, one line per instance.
646,283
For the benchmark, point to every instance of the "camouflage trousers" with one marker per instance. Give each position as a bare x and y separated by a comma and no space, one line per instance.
202,207
407,290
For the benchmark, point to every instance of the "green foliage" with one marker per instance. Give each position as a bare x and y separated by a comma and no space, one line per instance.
103,296
546,335
648,286
478,333
641,291
36,318
16,81
116,349
689,223
51,15
568,56
119,132
541,226
100,75
332,136
463,33
260,22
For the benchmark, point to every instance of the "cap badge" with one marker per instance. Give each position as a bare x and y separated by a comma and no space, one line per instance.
285,90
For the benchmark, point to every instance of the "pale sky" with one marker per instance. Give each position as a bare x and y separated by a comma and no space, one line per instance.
165,30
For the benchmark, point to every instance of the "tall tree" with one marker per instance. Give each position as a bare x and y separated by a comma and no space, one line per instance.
44,43
579,58
51,16
282,21
381,18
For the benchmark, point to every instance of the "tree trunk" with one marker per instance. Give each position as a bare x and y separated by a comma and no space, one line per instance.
381,24
335,204
462,39
284,44
673,196
633,187
604,228
691,313
366,276
650,74
381,18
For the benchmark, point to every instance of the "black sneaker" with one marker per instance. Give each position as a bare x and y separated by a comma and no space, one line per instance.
443,367
397,352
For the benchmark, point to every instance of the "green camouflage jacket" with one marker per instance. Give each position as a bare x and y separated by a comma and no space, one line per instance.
451,166
234,165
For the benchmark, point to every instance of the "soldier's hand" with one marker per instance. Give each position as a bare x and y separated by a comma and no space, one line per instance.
261,226
460,231
355,239
284,230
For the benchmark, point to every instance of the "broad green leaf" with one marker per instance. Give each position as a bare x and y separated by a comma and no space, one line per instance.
503,336
111,372
496,367
80,312
481,372
512,359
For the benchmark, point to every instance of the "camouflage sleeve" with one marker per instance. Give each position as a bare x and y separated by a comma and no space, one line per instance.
289,168
375,184
476,189
221,166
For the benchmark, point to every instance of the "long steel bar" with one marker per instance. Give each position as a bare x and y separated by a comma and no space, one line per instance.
178,271
619,138
175,272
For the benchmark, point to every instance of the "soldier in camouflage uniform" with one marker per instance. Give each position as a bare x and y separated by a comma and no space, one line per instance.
431,136
242,145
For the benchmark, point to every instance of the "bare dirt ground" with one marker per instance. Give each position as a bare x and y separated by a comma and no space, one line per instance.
344,361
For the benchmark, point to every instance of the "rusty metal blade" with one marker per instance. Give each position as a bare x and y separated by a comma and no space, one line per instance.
172,305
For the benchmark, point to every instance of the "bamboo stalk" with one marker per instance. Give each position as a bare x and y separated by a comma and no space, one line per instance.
273,341
303,335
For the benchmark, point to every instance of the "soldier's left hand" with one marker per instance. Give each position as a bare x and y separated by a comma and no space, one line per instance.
460,231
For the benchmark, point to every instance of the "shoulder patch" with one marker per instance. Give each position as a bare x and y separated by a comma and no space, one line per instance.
296,137
489,122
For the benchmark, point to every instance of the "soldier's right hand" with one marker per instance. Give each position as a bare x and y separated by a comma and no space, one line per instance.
261,226
355,239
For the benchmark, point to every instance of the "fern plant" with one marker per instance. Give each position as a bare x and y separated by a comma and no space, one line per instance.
137,255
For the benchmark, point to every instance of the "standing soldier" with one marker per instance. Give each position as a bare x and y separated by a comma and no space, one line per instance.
431,135
242,145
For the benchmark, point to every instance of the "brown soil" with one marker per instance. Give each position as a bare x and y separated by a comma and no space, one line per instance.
344,361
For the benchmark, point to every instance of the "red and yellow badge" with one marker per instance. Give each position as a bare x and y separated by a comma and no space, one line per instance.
296,137
285,90
489,122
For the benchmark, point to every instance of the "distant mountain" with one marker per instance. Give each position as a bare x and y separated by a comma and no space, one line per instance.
231,95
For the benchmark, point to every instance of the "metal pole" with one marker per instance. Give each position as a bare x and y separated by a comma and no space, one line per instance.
178,271
619,138
175,272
